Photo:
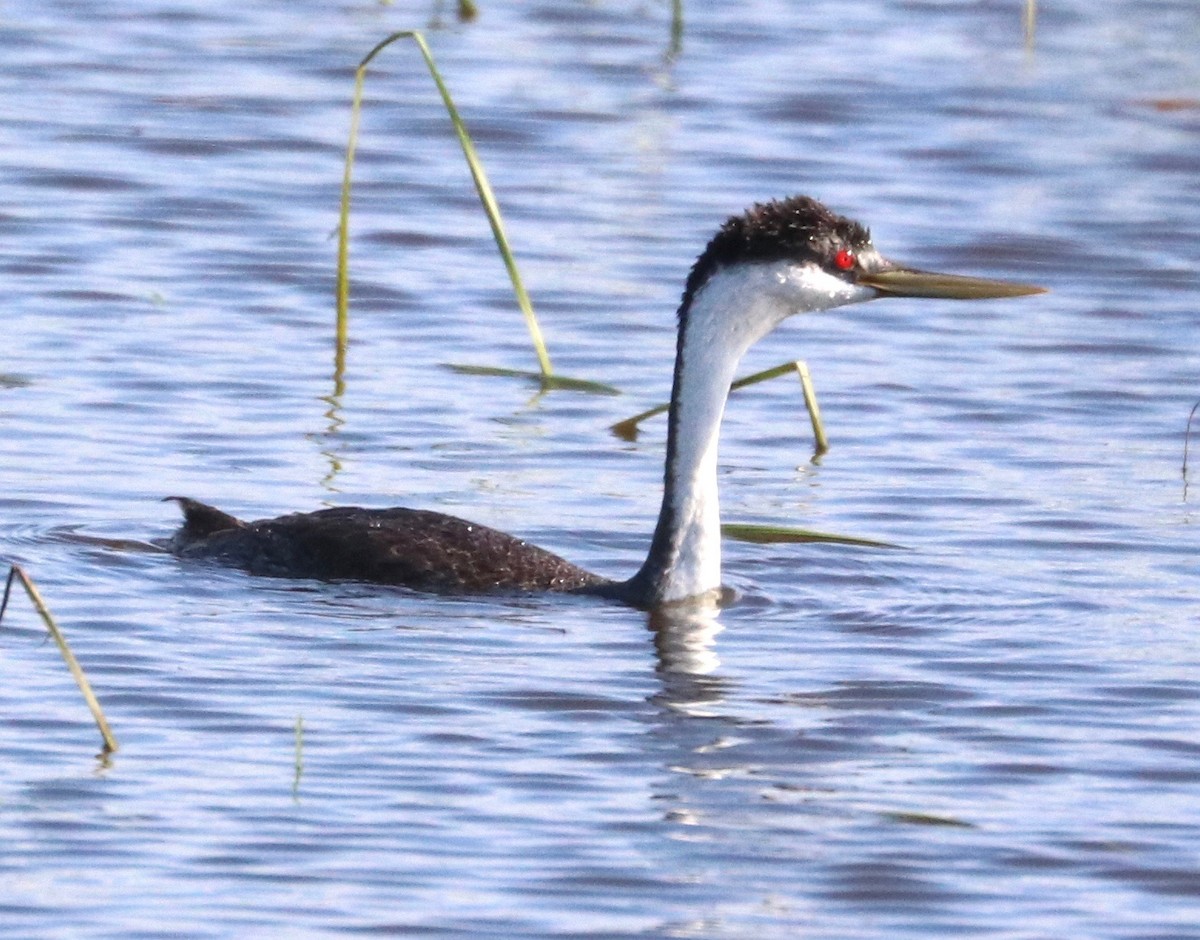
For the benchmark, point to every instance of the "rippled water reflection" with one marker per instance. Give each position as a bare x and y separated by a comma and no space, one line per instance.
989,732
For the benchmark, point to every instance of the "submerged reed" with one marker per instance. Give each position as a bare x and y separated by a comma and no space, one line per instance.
1187,439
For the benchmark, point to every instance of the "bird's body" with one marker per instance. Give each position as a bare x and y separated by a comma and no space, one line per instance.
778,259
416,548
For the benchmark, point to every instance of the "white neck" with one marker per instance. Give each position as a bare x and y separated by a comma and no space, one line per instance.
735,308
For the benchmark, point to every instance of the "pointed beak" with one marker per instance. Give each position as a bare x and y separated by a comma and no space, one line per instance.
899,281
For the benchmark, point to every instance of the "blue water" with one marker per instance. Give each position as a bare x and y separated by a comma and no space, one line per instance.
990,731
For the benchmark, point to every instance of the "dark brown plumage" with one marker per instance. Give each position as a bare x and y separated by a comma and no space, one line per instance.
428,551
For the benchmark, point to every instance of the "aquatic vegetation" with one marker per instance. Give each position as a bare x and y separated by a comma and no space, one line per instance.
16,573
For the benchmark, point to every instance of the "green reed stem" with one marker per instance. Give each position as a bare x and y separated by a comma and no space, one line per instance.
814,409
1187,439
482,187
777,534
17,573
299,757
1029,24
628,428
676,45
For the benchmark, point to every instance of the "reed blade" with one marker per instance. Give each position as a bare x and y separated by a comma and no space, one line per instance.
779,534
543,381
628,428
17,573
482,187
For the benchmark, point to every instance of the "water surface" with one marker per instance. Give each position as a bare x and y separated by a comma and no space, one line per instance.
990,732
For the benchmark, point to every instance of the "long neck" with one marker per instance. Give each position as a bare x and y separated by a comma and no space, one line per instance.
724,319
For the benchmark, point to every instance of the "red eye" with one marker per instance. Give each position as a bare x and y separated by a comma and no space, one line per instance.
844,260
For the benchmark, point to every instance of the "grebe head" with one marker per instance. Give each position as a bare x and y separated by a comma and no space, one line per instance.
776,260
795,256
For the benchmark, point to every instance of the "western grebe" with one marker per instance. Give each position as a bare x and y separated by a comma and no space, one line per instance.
777,259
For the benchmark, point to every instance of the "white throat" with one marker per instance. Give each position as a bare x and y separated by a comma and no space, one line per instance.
735,308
